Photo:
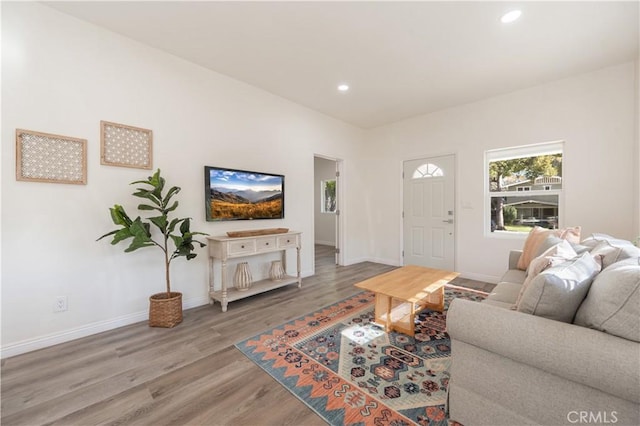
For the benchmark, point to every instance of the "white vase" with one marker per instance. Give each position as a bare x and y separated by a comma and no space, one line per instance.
276,273
242,279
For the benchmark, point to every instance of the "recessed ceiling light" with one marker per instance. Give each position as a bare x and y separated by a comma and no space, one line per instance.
343,87
510,16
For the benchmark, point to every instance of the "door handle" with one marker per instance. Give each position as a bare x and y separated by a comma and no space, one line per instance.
448,221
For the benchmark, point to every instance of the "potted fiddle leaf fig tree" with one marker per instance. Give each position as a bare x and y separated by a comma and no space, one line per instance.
175,240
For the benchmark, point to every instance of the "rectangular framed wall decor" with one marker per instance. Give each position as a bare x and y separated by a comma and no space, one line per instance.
44,157
125,146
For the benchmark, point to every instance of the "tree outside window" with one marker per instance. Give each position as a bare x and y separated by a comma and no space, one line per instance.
328,191
524,187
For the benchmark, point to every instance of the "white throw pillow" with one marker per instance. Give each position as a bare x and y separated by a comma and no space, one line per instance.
553,256
557,292
608,252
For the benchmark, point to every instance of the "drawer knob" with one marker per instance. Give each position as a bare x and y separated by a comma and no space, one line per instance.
267,243
241,246
288,241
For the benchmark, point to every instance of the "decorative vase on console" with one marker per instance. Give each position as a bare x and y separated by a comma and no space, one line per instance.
242,279
276,273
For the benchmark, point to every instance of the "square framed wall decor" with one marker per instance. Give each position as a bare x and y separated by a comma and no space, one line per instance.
125,146
44,157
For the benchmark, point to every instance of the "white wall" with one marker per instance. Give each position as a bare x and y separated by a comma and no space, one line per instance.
61,75
593,113
324,223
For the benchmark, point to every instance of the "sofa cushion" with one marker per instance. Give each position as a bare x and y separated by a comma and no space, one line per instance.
571,234
579,248
553,256
595,238
608,252
537,237
613,302
552,241
505,292
601,361
558,292
515,276
505,305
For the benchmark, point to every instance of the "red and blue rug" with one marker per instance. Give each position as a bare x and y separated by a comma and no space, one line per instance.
351,372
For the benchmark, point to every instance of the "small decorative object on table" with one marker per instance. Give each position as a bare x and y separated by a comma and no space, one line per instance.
255,232
242,280
276,273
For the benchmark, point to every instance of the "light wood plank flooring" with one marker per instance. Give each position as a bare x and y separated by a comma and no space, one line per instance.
188,375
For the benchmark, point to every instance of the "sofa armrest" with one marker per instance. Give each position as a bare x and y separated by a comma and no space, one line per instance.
576,353
514,256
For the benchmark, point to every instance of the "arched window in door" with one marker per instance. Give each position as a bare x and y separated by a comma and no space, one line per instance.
427,170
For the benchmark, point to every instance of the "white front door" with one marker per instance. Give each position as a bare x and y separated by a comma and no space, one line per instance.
428,212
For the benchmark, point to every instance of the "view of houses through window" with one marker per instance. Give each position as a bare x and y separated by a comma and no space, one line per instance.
524,187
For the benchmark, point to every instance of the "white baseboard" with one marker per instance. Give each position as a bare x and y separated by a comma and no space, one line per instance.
29,345
390,262
349,262
371,259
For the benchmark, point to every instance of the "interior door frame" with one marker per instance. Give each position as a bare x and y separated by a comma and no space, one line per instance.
455,201
340,199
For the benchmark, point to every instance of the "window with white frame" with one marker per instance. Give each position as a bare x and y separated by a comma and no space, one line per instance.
524,187
328,194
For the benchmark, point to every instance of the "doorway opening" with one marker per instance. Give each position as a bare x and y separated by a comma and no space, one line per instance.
327,215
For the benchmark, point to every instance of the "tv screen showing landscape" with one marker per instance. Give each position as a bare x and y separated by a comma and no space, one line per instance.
232,194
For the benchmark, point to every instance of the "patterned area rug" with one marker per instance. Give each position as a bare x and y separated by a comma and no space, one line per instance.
351,372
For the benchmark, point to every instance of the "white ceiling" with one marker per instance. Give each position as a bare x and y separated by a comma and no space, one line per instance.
401,59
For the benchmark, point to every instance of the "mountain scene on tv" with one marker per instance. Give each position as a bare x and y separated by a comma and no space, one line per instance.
245,195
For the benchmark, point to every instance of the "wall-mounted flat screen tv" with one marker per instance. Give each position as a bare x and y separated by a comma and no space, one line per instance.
232,194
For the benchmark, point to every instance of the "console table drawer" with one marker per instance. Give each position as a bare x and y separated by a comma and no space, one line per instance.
287,241
241,247
266,244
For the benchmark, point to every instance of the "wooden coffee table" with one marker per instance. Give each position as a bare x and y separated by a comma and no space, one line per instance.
403,292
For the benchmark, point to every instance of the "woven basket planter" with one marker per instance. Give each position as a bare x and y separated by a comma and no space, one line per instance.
165,312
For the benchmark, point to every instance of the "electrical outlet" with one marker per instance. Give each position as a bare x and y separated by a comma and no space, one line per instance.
60,304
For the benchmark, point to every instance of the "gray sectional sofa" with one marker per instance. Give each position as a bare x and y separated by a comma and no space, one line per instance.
570,355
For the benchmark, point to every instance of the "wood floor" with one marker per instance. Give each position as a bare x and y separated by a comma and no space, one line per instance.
188,375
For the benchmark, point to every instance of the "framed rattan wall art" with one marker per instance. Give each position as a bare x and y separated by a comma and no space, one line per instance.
125,146
44,157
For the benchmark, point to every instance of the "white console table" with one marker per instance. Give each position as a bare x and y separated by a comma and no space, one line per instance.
224,248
